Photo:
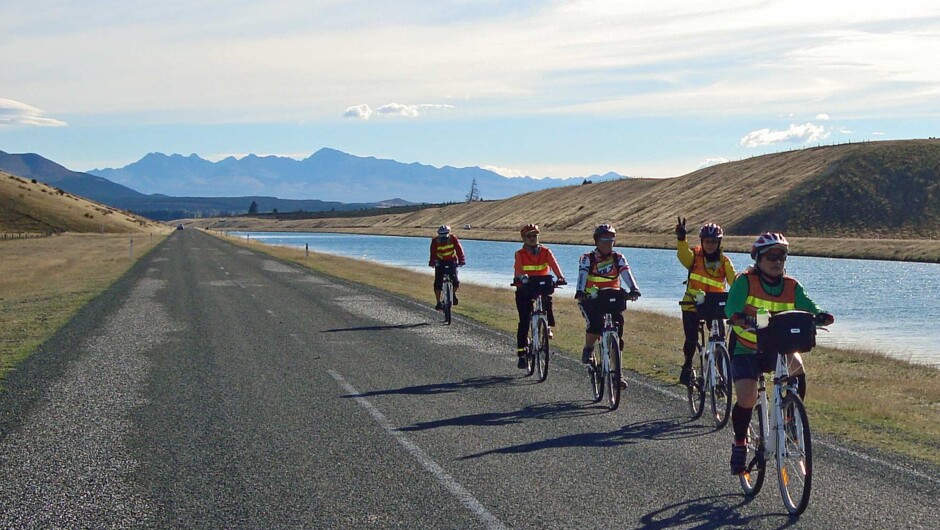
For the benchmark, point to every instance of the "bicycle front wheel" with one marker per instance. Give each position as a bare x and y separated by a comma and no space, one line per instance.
696,388
447,300
721,389
795,456
613,376
753,477
541,355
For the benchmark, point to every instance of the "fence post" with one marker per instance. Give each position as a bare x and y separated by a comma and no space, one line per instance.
307,249
130,253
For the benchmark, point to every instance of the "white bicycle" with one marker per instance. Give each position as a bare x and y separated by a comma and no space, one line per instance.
537,353
607,363
713,378
779,429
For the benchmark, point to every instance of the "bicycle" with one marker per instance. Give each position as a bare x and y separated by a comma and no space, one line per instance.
448,269
784,434
537,352
607,361
714,373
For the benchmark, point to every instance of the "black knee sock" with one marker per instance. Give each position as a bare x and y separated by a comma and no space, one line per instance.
740,419
801,388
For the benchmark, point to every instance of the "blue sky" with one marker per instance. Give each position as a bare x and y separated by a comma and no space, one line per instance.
548,88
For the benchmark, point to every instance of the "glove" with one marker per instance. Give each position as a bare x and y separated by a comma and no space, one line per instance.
824,319
580,295
462,263
561,281
633,295
739,319
680,229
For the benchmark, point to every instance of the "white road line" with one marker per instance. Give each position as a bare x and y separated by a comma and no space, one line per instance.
462,494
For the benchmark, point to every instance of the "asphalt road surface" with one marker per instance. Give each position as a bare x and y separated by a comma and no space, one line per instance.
216,387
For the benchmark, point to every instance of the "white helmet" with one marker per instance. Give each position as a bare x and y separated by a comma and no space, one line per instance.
443,230
768,240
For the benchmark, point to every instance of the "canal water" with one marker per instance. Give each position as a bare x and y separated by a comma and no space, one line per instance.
887,306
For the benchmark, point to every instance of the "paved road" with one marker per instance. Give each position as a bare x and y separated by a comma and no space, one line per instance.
215,387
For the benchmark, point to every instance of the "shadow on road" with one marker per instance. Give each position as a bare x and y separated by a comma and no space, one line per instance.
663,429
494,419
720,511
440,388
377,328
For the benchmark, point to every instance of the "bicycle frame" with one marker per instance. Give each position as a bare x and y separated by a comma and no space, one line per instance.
609,329
538,314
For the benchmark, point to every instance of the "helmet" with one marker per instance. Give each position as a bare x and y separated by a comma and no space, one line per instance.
604,229
443,230
711,230
768,240
529,228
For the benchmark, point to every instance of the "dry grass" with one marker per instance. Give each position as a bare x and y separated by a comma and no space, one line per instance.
44,282
862,397
26,206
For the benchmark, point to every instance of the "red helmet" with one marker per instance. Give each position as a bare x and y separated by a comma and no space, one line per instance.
604,229
711,230
768,240
529,228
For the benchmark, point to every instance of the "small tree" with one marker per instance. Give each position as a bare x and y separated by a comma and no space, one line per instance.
474,194
253,208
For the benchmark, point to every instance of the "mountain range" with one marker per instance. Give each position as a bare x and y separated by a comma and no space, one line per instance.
328,175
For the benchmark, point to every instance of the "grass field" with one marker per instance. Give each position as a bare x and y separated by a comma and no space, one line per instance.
44,282
860,396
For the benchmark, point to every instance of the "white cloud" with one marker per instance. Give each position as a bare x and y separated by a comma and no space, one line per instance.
362,112
16,113
822,117
877,133
844,130
409,111
712,162
506,172
795,134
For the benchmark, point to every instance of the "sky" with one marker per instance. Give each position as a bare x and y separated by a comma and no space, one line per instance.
536,88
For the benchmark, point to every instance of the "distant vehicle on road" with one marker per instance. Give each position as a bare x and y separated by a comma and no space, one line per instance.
466,227
179,227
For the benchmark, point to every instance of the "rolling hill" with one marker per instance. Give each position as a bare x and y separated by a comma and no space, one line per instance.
885,189
28,206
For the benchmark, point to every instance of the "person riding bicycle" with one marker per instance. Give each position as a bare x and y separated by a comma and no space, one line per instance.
709,271
533,259
602,268
763,286
445,248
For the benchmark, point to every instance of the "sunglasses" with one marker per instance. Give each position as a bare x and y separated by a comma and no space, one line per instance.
606,239
779,257
531,236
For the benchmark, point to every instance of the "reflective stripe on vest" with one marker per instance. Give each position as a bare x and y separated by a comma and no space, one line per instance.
446,252
533,268
758,298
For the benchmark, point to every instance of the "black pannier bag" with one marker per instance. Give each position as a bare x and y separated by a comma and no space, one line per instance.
448,267
611,300
713,307
537,285
788,332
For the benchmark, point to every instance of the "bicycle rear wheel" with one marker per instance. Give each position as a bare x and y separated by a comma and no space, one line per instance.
541,355
753,477
613,376
595,372
696,388
795,456
721,390
447,300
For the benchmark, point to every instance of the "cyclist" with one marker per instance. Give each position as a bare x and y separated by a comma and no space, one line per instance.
602,268
445,248
533,259
709,271
765,285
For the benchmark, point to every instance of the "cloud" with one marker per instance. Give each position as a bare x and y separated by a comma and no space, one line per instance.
844,130
712,162
390,110
795,134
362,112
877,133
822,117
506,172
16,113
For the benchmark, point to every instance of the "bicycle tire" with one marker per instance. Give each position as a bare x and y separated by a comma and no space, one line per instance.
753,478
541,356
447,300
613,376
597,377
795,457
722,390
695,390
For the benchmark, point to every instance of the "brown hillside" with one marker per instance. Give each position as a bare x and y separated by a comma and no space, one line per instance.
876,189
36,207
